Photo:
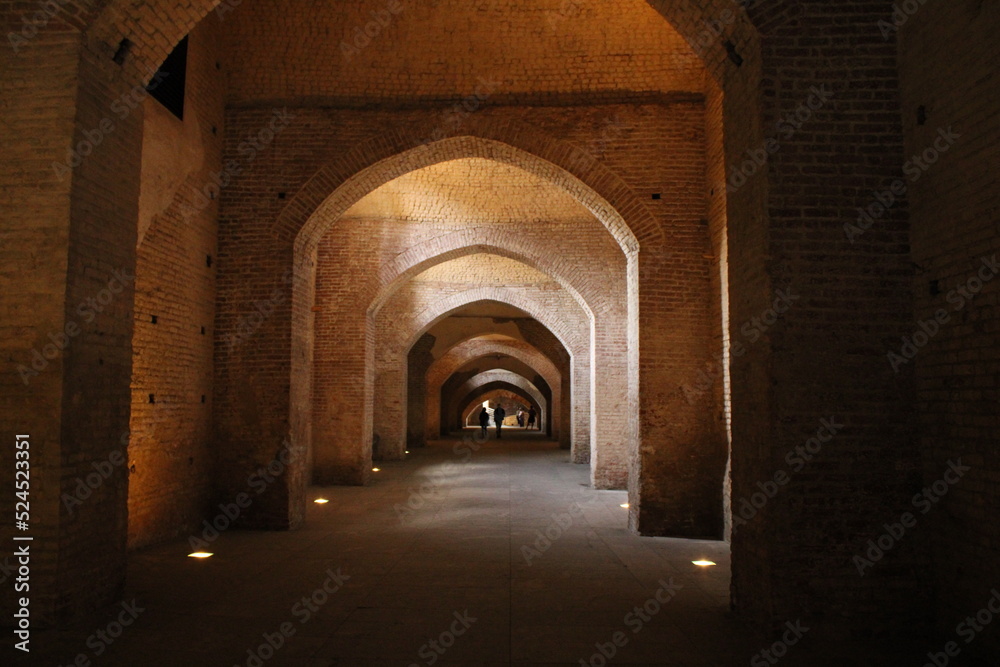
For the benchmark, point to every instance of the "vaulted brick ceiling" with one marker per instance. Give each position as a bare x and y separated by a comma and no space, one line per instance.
307,50
485,269
471,190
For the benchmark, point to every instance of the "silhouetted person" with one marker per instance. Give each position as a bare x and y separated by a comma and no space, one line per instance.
531,418
484,420
520,417
498,416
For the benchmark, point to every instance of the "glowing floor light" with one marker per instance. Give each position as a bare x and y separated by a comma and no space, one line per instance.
201,554
321,501
375,469
703,563
625,505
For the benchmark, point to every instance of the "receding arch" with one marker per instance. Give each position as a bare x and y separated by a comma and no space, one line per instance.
478,348
389,378
475,240
334,189
470,404
494,377
570,337
321,202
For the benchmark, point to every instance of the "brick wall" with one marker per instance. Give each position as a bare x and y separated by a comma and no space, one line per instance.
34,302
824,357
947,58
564,49
170,452
255,211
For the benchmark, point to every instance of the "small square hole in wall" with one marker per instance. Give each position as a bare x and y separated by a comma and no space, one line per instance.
203,398
281,195
153,319
935,288
208,261
657,196
121,53
203,331
152,398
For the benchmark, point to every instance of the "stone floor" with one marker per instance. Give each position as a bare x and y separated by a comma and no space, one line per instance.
445,547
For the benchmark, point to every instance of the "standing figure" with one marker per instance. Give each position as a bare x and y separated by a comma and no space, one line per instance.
484,421
531,418
498,415
520,417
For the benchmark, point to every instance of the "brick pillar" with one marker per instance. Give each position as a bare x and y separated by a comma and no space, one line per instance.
69,263
833,108
390,400
681,460
420,359
609,458
262,417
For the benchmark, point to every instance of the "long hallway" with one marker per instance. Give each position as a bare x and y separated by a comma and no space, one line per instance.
446,547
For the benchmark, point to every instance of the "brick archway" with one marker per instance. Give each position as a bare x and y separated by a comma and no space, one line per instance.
317,207
395,336
489,392
477,348
471,402
154,27
474,240
490,380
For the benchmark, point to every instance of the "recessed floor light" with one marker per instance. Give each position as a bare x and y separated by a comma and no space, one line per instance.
321,501
201,554
375,469
625,505
703,563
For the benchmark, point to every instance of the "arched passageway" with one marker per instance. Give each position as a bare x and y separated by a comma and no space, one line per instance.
216,236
